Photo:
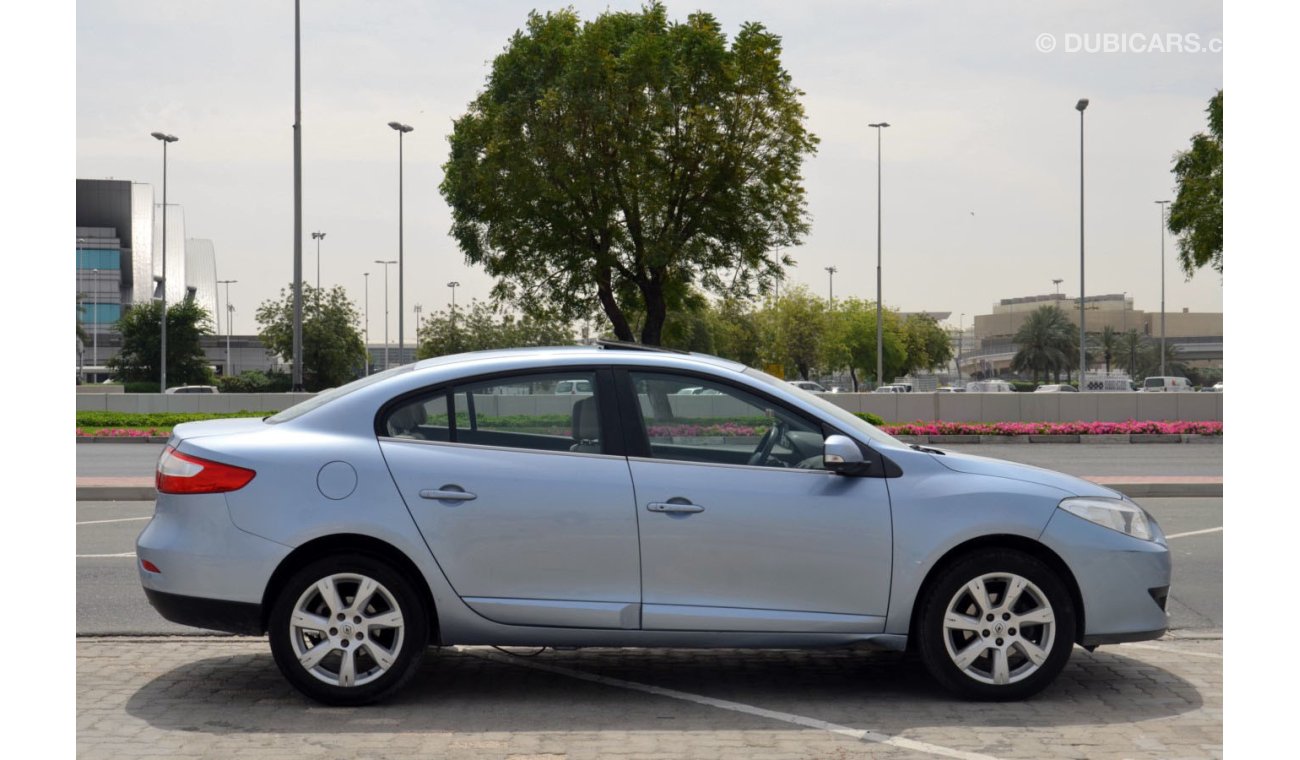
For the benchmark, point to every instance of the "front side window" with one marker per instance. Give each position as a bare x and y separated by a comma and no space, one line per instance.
722,424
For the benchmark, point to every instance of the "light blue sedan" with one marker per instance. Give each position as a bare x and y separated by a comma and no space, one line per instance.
463,500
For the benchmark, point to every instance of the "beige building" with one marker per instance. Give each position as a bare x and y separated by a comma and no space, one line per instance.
1198,335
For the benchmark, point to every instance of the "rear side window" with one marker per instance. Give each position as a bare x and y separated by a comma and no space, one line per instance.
542,412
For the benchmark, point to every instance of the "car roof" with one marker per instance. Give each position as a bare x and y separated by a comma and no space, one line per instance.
576,354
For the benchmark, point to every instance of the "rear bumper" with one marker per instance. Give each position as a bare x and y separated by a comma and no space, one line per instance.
213,614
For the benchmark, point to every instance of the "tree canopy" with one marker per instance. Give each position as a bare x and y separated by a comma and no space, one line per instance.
480,327
333,351
141,329
1196,215
616,164
1047,343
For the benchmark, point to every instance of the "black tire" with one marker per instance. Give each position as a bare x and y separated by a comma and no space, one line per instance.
1002,647
383,657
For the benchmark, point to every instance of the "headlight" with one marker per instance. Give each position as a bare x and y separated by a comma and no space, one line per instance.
1120,515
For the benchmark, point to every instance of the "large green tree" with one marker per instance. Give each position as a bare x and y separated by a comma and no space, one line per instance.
333,351
793,329
141,354
850,341
928,346
1196,215
614,164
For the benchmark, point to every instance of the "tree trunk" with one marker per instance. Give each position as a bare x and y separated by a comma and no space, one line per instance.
605,292
656,311
853,374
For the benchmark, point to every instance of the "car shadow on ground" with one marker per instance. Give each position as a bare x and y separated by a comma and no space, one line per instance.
459,691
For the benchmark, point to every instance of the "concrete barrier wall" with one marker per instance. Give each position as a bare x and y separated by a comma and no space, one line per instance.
893,407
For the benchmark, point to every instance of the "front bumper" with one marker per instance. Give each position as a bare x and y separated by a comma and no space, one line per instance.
1122,580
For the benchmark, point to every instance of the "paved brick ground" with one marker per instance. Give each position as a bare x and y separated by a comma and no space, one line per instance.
223,698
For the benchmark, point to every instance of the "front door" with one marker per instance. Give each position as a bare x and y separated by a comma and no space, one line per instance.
741,528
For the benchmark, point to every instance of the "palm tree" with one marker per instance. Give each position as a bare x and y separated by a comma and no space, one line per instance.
1150,360
1131,348
1107,342
1045,343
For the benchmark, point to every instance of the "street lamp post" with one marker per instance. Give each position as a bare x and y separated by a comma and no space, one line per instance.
386,309
453,285
418,309
367,276
94,324
402,129
1083,340
880,326
1162,205
165,138
318,236
961,341
832,270
1057,283
297,198
230,310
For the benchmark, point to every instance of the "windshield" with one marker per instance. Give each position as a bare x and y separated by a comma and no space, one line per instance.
1155,382
846,418
324,397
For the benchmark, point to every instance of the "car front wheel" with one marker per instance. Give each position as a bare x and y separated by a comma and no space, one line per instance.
348,630
996,624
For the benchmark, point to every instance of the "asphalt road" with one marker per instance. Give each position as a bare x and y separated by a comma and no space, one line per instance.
109,599
139,459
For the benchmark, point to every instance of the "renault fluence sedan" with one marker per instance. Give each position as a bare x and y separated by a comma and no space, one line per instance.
473,500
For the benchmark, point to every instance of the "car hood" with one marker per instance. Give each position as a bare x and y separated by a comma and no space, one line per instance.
1001,468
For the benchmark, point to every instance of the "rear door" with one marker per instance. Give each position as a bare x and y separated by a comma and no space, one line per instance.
523,496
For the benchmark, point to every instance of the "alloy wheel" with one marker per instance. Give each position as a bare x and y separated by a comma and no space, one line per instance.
999,628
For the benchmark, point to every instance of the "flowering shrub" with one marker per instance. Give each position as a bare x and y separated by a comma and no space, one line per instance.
121,433
1054,428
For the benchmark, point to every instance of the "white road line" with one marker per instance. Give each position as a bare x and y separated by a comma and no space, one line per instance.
105,556
798,720
120,519
1174,651
1197,532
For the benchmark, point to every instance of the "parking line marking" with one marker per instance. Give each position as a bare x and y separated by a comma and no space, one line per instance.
798,720
120,519
1196,532
1175,651
105,556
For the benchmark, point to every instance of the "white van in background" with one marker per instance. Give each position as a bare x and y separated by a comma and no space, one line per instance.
989,386
1166,385
1110,384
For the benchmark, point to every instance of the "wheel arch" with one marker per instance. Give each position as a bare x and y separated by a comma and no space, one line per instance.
1029,546
349,543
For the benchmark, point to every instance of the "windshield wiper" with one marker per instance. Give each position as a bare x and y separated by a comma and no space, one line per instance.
926,449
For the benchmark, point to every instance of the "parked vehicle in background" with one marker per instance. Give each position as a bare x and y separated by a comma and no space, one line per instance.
905,387
808,385
423,506
989,386
950,389
1166,385
889,389
566,387
1217,387
192,389
838,389
1056,389
1110,384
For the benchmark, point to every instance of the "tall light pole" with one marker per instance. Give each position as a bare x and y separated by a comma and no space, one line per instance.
961,341
367,276
1162,205
880,325
297,199
831,271
318,236
399,316
230,310
402,129
1083,335
1057,283
453,285
94,325
165,138
418,309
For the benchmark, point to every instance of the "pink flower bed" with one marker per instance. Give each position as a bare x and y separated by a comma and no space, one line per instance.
120,433
1054,428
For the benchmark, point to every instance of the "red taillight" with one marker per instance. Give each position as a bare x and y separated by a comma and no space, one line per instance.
183,473
150,567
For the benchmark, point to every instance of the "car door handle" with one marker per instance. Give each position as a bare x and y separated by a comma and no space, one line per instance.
662,506
448,493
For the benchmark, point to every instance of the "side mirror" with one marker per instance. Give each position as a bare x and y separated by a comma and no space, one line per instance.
841,455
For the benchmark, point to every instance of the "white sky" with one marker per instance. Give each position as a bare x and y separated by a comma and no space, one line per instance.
982,122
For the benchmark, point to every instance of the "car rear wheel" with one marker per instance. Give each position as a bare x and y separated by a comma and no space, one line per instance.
348,630
996,624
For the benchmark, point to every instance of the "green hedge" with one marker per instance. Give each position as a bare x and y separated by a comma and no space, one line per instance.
162,419
874,419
